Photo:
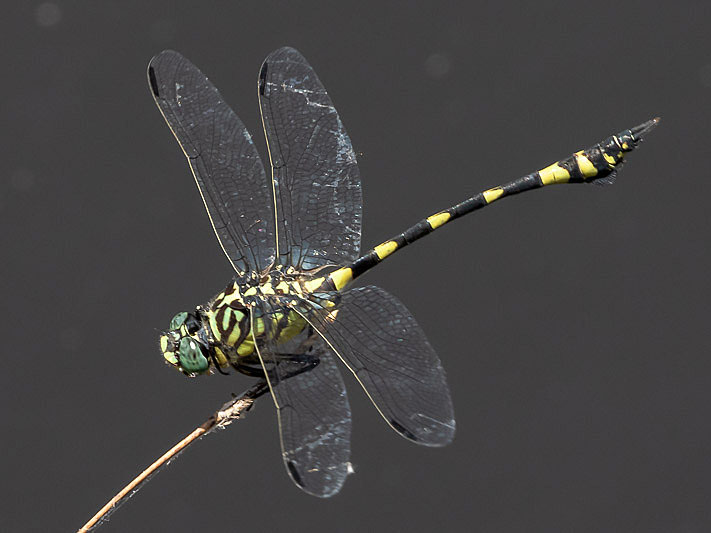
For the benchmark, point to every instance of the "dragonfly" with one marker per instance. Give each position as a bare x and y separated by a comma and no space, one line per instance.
290,315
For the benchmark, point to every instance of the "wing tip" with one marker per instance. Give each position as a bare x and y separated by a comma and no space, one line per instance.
164,54
432,436
152,81
286,49
402,430
154,64
289,51
328,491
294,473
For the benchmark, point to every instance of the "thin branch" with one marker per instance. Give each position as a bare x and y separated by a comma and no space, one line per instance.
227,414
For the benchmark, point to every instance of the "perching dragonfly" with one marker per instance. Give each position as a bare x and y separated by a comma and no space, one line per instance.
294,242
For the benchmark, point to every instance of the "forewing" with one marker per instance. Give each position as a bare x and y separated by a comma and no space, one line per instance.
315,174
377,338
222,156
312,407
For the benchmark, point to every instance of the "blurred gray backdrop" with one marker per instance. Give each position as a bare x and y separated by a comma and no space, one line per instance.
572,321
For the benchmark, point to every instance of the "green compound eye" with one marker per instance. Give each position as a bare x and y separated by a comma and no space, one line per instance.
178,320
190,355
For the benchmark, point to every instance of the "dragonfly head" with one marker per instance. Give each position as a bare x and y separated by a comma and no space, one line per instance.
182,347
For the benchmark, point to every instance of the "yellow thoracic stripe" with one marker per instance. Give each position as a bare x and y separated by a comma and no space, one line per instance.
267,288
385,249
234,335
493,194
226,318
435,221
283,287
554,174
246,347
587,169
610,160
221,357
294,326
213,325
230,298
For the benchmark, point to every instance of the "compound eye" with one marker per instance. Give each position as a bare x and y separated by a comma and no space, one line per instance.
191,358
178,320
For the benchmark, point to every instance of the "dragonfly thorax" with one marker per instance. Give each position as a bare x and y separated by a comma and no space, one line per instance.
221,334
248,290
232,327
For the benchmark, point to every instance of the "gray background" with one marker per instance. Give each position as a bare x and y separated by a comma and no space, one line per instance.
571,321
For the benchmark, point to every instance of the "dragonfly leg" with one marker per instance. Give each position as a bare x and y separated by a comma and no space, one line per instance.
249,370
257,390
290,365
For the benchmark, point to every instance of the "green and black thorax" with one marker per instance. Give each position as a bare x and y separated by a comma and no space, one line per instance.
219,334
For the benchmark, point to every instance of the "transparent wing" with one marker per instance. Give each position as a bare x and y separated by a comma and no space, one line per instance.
312,406
377,338
314,169
222,156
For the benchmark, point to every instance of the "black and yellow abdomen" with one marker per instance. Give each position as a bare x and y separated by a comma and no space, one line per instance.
597,164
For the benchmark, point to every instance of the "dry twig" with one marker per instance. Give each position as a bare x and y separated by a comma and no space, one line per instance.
228,413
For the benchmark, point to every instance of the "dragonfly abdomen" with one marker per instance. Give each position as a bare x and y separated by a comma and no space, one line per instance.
597,164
